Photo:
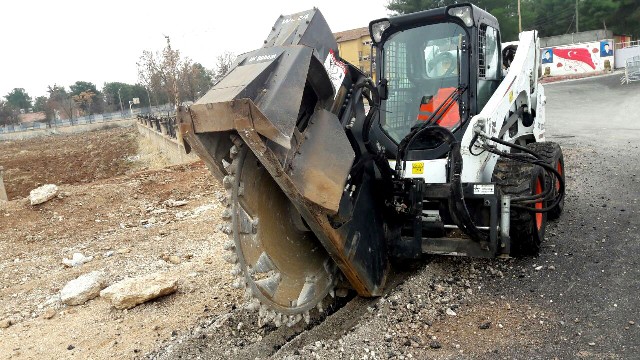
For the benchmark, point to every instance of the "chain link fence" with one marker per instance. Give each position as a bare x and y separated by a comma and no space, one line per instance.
159,111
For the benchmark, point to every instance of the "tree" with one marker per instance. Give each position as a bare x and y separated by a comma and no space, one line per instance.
626,18
40,103
224,62
115,91
8,113
60,102
194,80
19,99
549,17
79,92
159,72
84,100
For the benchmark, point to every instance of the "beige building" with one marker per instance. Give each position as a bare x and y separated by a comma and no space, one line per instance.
355,47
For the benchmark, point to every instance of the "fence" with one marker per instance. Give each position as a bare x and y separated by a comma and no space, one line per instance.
164,110
631,70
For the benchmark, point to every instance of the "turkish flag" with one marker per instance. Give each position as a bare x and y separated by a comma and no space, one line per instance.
578,54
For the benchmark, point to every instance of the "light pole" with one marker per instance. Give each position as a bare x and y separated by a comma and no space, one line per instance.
148,96
120,97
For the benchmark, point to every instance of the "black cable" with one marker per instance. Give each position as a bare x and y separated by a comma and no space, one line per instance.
536,160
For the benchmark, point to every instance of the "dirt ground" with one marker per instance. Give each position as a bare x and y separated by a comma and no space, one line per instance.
123,222
72,159
577,300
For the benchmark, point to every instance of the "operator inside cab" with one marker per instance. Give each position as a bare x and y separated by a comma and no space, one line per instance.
422,66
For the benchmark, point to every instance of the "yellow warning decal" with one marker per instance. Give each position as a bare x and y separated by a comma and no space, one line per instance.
511,96
417,167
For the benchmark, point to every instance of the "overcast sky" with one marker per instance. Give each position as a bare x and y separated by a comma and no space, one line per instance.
46,42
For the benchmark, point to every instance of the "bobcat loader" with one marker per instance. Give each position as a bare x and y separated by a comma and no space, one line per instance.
331,178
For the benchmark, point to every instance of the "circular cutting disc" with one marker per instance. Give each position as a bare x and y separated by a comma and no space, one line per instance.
283,263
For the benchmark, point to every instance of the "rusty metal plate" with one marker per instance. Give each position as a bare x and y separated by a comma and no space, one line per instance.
323,162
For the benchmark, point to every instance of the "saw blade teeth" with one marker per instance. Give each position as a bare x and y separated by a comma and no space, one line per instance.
319,307
226,200
264,264
233,152
231,258
342,292
263,311
236,139
291,320
227,230
226,165
239,283
271,315
332,293
307,292
269,284
307,317
229,245
236,270
253,305
227,181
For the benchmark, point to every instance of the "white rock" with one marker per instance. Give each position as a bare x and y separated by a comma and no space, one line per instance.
43,194
77,260
134,291
451,312
82,289
175,203
52,301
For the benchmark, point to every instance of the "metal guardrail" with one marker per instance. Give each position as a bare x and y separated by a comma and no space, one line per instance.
165,125
631,70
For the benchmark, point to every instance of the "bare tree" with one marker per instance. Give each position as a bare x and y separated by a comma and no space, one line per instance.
159,71
224,62
61,101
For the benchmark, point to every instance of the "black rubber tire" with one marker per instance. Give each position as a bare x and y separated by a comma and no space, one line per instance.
520,179
552,153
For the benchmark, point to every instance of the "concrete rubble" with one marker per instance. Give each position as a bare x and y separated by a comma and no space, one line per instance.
77,260
131,292
43,194
83,289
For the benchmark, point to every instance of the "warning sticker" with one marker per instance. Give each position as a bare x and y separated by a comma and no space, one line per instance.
337,71
483,189
417,168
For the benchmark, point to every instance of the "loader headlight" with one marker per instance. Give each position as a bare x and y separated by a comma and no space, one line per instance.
377,29
462,12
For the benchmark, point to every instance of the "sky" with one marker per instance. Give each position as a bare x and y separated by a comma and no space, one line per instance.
60,42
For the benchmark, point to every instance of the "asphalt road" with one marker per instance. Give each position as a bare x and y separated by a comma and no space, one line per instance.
595,245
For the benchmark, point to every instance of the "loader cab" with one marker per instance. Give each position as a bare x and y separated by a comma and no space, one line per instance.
423,58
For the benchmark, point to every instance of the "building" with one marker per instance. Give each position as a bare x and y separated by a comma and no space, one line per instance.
354,46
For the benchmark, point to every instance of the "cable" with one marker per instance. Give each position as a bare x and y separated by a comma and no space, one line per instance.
532,158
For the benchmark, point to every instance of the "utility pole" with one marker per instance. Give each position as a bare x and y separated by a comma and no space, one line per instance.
520,18
120,97
577,28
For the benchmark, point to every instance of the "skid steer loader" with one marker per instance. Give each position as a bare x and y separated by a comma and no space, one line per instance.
331,177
